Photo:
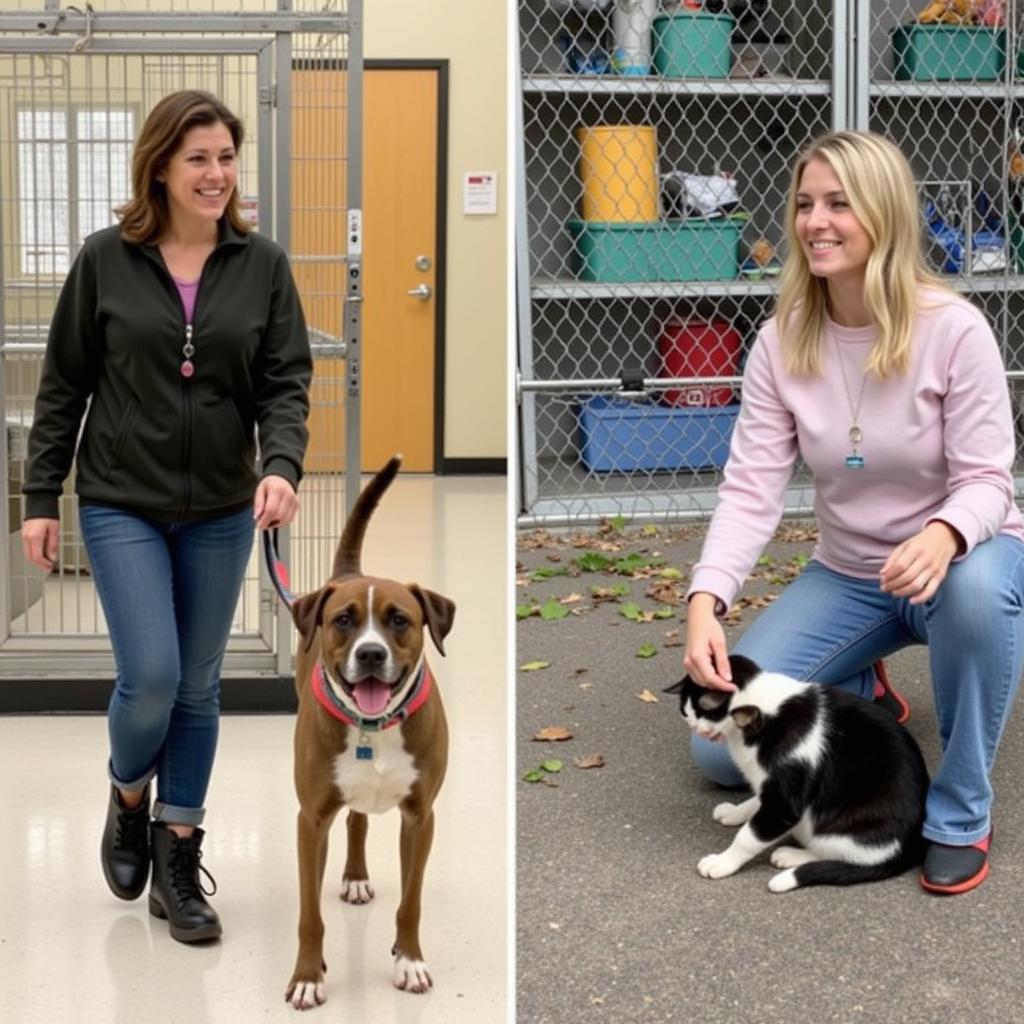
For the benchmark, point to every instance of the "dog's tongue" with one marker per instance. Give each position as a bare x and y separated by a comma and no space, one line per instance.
372,696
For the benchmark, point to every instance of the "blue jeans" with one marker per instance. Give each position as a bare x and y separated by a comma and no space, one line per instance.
169,592
831,628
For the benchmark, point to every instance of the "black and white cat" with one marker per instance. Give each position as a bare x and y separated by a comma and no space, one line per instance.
828,769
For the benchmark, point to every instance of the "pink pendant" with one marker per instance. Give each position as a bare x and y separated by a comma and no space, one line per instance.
187,368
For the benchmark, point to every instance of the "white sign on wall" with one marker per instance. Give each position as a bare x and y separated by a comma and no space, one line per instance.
480,192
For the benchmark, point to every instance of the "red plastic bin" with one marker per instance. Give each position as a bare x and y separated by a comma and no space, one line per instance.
698,348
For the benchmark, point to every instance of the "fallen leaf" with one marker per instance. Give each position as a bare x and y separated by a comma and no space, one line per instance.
534,666
666,591
646,651
570,599
586,686
551,765
552,610
648,697
674,641
590,761
553,734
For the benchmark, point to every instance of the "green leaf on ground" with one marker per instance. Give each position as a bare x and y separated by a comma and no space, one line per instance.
634,563
646,651
534,666
631,611
594,561
553,609
618,522
766,560
671,574
545,572
552,765
524,611
663,613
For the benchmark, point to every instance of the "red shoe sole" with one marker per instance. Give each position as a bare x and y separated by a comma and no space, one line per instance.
883,677
953,890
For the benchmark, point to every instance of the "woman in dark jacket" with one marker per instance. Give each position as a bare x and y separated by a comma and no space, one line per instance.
182,332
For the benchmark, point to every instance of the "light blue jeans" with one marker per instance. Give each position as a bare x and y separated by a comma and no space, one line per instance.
169,592
831,628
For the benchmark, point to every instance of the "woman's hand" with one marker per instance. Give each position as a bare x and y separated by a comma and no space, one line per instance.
707,658
917,567
275,504
40,539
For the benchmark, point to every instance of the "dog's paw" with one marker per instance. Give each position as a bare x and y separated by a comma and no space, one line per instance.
411,975
716,865
305,995
790,857
729,814
356,890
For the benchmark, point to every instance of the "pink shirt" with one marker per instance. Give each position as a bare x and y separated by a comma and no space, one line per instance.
188,291
938,444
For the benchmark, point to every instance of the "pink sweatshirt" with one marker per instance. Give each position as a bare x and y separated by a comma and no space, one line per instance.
938,444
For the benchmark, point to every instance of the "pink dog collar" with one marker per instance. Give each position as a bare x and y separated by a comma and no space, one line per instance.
414,700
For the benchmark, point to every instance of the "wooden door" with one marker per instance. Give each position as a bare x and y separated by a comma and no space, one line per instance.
400,188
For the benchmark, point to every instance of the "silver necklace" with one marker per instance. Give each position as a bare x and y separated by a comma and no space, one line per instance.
854,460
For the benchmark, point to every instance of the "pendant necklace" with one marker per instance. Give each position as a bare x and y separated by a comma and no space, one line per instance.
188,350
854,460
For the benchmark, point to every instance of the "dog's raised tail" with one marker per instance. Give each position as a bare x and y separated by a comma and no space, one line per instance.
348,556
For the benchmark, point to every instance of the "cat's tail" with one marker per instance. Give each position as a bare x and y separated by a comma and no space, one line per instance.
835,872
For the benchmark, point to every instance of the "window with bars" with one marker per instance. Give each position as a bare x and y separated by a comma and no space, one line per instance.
74,168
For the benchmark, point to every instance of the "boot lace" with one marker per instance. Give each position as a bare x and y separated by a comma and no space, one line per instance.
132,832
184,866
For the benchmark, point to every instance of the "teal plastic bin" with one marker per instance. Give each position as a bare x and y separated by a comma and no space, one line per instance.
692,44
613,251
697,249
948,53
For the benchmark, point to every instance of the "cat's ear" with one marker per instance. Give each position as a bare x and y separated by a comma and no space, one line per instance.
748,718
677,687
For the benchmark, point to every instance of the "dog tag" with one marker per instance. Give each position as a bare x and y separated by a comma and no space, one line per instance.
364,753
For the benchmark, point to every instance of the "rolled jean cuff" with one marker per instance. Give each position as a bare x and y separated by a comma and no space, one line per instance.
171,815
130,787
957,838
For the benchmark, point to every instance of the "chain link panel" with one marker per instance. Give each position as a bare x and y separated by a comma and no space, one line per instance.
657,145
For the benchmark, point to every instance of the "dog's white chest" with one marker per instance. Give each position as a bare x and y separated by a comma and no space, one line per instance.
377,784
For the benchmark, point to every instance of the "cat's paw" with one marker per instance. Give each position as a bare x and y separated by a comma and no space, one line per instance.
784,881
790,857
717,865
729,814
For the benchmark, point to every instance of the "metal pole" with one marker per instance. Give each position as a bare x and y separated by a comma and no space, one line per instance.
352,309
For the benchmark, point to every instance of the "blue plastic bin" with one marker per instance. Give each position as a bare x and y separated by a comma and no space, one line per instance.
619,436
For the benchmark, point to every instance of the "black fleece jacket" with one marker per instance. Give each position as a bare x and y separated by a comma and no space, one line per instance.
153,441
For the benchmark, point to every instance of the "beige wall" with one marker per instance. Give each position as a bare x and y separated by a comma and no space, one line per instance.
471,34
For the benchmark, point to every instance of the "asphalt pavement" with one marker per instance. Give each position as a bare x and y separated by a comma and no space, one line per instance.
615,925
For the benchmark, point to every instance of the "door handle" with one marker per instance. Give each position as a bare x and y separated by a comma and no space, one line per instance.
421,292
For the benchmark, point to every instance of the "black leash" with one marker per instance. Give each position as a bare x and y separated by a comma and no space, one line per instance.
276,567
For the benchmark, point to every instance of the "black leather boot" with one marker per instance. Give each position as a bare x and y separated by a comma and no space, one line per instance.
175,893
124,851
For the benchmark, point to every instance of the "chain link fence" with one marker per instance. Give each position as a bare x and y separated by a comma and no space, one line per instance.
655,151
75,87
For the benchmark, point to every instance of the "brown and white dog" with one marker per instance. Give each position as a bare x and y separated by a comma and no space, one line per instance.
370,735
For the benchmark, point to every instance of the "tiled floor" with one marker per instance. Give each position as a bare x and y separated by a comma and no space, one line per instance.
69,951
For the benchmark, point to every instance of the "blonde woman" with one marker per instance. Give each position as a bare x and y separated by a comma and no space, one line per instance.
891,389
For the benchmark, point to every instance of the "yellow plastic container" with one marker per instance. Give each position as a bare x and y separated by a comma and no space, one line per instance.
619,170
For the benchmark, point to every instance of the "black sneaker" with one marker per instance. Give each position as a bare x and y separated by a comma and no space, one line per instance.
888,698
